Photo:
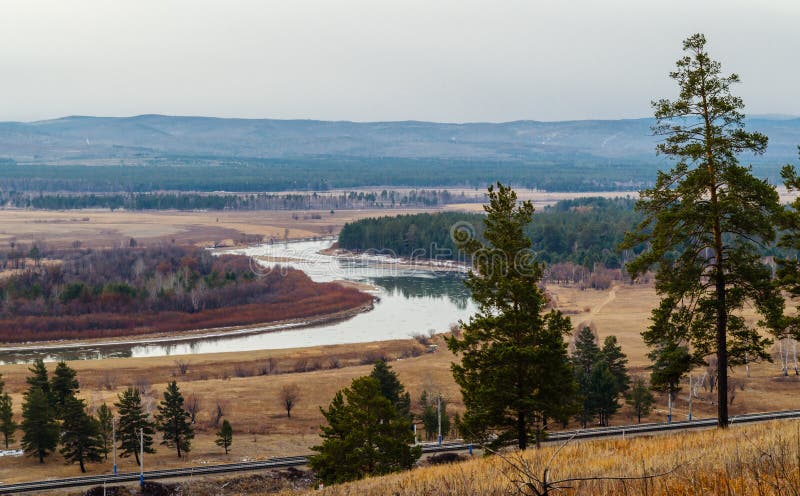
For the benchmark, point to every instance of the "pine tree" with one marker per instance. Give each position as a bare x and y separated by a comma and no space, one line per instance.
105,425
671,362
39,379
603,392
174,421
391,387
225,436
586,350
39,426
7,425
365,435
705,221
640,398
514,372
430,417
617,363
132,419
80,434
63,386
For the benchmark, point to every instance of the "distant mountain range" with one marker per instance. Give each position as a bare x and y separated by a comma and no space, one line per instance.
148,139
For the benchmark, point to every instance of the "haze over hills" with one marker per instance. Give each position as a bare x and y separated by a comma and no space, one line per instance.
151,153
138,139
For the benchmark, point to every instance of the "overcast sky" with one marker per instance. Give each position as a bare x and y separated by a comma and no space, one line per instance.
438,60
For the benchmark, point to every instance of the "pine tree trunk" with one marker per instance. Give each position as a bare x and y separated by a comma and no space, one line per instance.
522,432
722,354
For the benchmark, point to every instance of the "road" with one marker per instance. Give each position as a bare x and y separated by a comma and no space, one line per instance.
296,461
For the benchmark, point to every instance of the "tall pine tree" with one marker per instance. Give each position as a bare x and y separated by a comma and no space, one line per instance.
7,425
63,385
705,221
39,426
132,419
105,424
80,434
514,372
174,421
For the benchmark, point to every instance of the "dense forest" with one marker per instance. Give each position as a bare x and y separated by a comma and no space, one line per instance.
218,201
585,232
91,293
250,175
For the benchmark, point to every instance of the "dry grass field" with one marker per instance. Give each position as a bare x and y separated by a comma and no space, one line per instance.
761,459
103,228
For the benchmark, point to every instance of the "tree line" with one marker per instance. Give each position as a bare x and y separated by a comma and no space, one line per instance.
585,232
54,418
216,201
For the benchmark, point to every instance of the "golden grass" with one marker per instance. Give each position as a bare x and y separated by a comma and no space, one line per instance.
743,460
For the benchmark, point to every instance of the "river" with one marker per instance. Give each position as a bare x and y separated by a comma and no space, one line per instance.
409,300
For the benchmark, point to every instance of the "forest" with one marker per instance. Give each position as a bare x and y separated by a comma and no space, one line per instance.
207,174
227,201
584,232
98,293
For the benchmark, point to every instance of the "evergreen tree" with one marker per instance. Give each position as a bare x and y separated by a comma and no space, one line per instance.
391,387
80,434
617,363
706,219
63,386
7,424
365,435
586,350
39,426
39,379
132,419
105,425
225,436
514,373
174,421
430,417
671,362
603,393
640,398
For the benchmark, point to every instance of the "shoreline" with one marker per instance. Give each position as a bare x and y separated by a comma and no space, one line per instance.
196,334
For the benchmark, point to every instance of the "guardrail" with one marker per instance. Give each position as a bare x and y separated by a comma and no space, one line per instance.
297,461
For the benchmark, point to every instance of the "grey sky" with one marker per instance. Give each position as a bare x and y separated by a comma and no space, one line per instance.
367,60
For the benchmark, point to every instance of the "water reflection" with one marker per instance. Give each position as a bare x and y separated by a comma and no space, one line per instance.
408,301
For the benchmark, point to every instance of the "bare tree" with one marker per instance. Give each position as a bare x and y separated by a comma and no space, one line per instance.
290,395
183,366
193,406
219,411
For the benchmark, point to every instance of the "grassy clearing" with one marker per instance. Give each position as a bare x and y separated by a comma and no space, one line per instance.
743,460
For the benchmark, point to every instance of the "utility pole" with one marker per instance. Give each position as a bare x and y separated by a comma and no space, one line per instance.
669,406
439,415
114,441
141,457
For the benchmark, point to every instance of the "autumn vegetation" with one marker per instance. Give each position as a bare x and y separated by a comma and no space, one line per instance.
133,291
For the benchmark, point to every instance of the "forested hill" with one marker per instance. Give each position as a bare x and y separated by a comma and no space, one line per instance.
152,152
584,232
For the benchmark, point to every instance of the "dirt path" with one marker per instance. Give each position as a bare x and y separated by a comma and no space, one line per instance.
612,295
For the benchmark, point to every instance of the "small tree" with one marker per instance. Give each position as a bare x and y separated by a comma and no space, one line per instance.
290,395
132,420
365,436
640,398
7,425
617,363
174,421
430,417
80,434
391,387
225,436
38,425
105,425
